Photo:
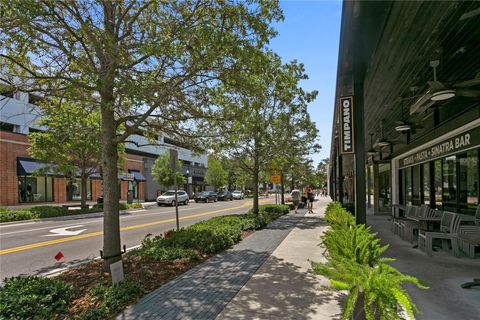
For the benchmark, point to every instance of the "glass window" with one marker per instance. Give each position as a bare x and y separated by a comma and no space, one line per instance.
133,186
416,185
437,184
74,190
35,189
384,186
426,183
408,186
449,184
468,182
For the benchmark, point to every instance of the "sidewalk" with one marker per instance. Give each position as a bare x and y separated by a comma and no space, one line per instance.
263,277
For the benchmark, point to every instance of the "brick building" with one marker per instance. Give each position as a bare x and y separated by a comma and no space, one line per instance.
18,184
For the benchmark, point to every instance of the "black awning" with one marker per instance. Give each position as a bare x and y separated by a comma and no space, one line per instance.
26,167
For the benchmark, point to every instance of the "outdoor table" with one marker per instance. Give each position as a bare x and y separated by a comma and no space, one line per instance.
425,222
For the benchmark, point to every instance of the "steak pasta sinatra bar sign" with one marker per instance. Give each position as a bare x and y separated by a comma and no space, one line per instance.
346,124
466,140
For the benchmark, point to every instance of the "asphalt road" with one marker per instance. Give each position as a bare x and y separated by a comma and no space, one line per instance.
29,248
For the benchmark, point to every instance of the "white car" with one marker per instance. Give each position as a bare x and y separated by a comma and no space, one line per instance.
238,195
168,198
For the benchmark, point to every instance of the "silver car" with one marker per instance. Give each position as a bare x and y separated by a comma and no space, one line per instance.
168,198
238,195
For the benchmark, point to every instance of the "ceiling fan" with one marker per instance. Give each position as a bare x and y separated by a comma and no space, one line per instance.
438,91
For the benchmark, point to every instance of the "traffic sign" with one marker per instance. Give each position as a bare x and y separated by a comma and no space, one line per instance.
275,178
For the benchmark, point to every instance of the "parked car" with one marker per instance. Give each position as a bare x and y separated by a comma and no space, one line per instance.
206,196
238,195
225,195
168,198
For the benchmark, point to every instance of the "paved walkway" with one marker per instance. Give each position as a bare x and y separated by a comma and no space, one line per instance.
261,277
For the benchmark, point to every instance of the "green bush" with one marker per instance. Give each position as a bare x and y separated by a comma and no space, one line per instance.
354,263
34,298
155,248
113,298
7,215
49,211
337,216
135,206
98,207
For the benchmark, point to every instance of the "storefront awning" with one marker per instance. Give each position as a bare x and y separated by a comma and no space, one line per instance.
138,176
26,167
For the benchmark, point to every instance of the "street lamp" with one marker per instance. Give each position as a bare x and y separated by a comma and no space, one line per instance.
188,178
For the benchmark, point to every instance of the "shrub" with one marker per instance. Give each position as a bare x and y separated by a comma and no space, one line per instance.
354,263
337,216
135,206
112,298
34,298
155,248
49,211
98,207
7,215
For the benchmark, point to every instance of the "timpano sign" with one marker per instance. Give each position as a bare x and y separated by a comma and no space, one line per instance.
346,125
466,140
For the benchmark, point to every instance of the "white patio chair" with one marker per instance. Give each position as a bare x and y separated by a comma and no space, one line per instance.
448,230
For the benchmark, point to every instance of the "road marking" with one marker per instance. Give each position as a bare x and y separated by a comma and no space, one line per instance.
65,232
99,233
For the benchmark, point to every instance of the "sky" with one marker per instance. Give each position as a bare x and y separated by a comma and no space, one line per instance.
310,33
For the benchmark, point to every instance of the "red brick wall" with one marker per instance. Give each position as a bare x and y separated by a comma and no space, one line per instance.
13,145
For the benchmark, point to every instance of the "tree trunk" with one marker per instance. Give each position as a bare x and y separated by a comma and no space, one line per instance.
282,188
83,196
256,171
111,223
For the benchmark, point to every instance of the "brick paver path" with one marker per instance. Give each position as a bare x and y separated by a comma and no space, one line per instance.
204,291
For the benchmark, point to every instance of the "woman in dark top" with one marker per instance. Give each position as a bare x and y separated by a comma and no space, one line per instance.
310,199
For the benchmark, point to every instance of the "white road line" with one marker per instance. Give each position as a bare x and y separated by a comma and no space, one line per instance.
123,217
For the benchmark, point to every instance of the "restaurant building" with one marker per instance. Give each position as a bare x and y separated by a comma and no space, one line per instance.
406,127
21,185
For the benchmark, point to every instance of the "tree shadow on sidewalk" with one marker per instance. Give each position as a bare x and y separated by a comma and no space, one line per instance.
282,290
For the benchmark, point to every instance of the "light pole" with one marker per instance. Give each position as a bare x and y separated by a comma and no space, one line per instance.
188,182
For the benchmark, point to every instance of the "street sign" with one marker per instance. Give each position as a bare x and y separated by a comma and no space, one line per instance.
275,178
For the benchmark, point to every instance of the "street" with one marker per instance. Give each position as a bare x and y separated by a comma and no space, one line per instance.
29,248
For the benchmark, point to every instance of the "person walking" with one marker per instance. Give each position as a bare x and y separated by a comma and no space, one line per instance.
295,194
310,199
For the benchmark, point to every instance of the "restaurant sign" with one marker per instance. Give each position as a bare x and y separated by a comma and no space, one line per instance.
346,125
463,141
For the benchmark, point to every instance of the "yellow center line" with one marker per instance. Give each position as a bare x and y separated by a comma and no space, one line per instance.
99,233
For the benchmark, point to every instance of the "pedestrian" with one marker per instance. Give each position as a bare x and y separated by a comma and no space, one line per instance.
310,199
295,194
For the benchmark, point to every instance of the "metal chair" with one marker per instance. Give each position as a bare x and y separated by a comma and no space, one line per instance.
448,231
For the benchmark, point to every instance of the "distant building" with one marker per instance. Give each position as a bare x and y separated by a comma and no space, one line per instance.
18,114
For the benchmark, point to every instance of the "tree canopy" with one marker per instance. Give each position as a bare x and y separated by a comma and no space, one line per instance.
163,172
144,65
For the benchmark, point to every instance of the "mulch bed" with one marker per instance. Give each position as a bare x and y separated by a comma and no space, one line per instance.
150,274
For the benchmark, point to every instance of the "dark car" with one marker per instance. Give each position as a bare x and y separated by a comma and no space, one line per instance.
225,195
206,196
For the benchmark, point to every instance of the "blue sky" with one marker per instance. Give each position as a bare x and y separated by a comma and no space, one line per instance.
310,33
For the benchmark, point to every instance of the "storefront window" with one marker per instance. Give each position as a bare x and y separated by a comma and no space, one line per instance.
437,184
133,186
408,186
468,182
74,190
426,183
449,184
35,189
384,187
416,185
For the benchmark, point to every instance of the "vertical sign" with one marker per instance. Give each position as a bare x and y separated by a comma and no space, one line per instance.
346,125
